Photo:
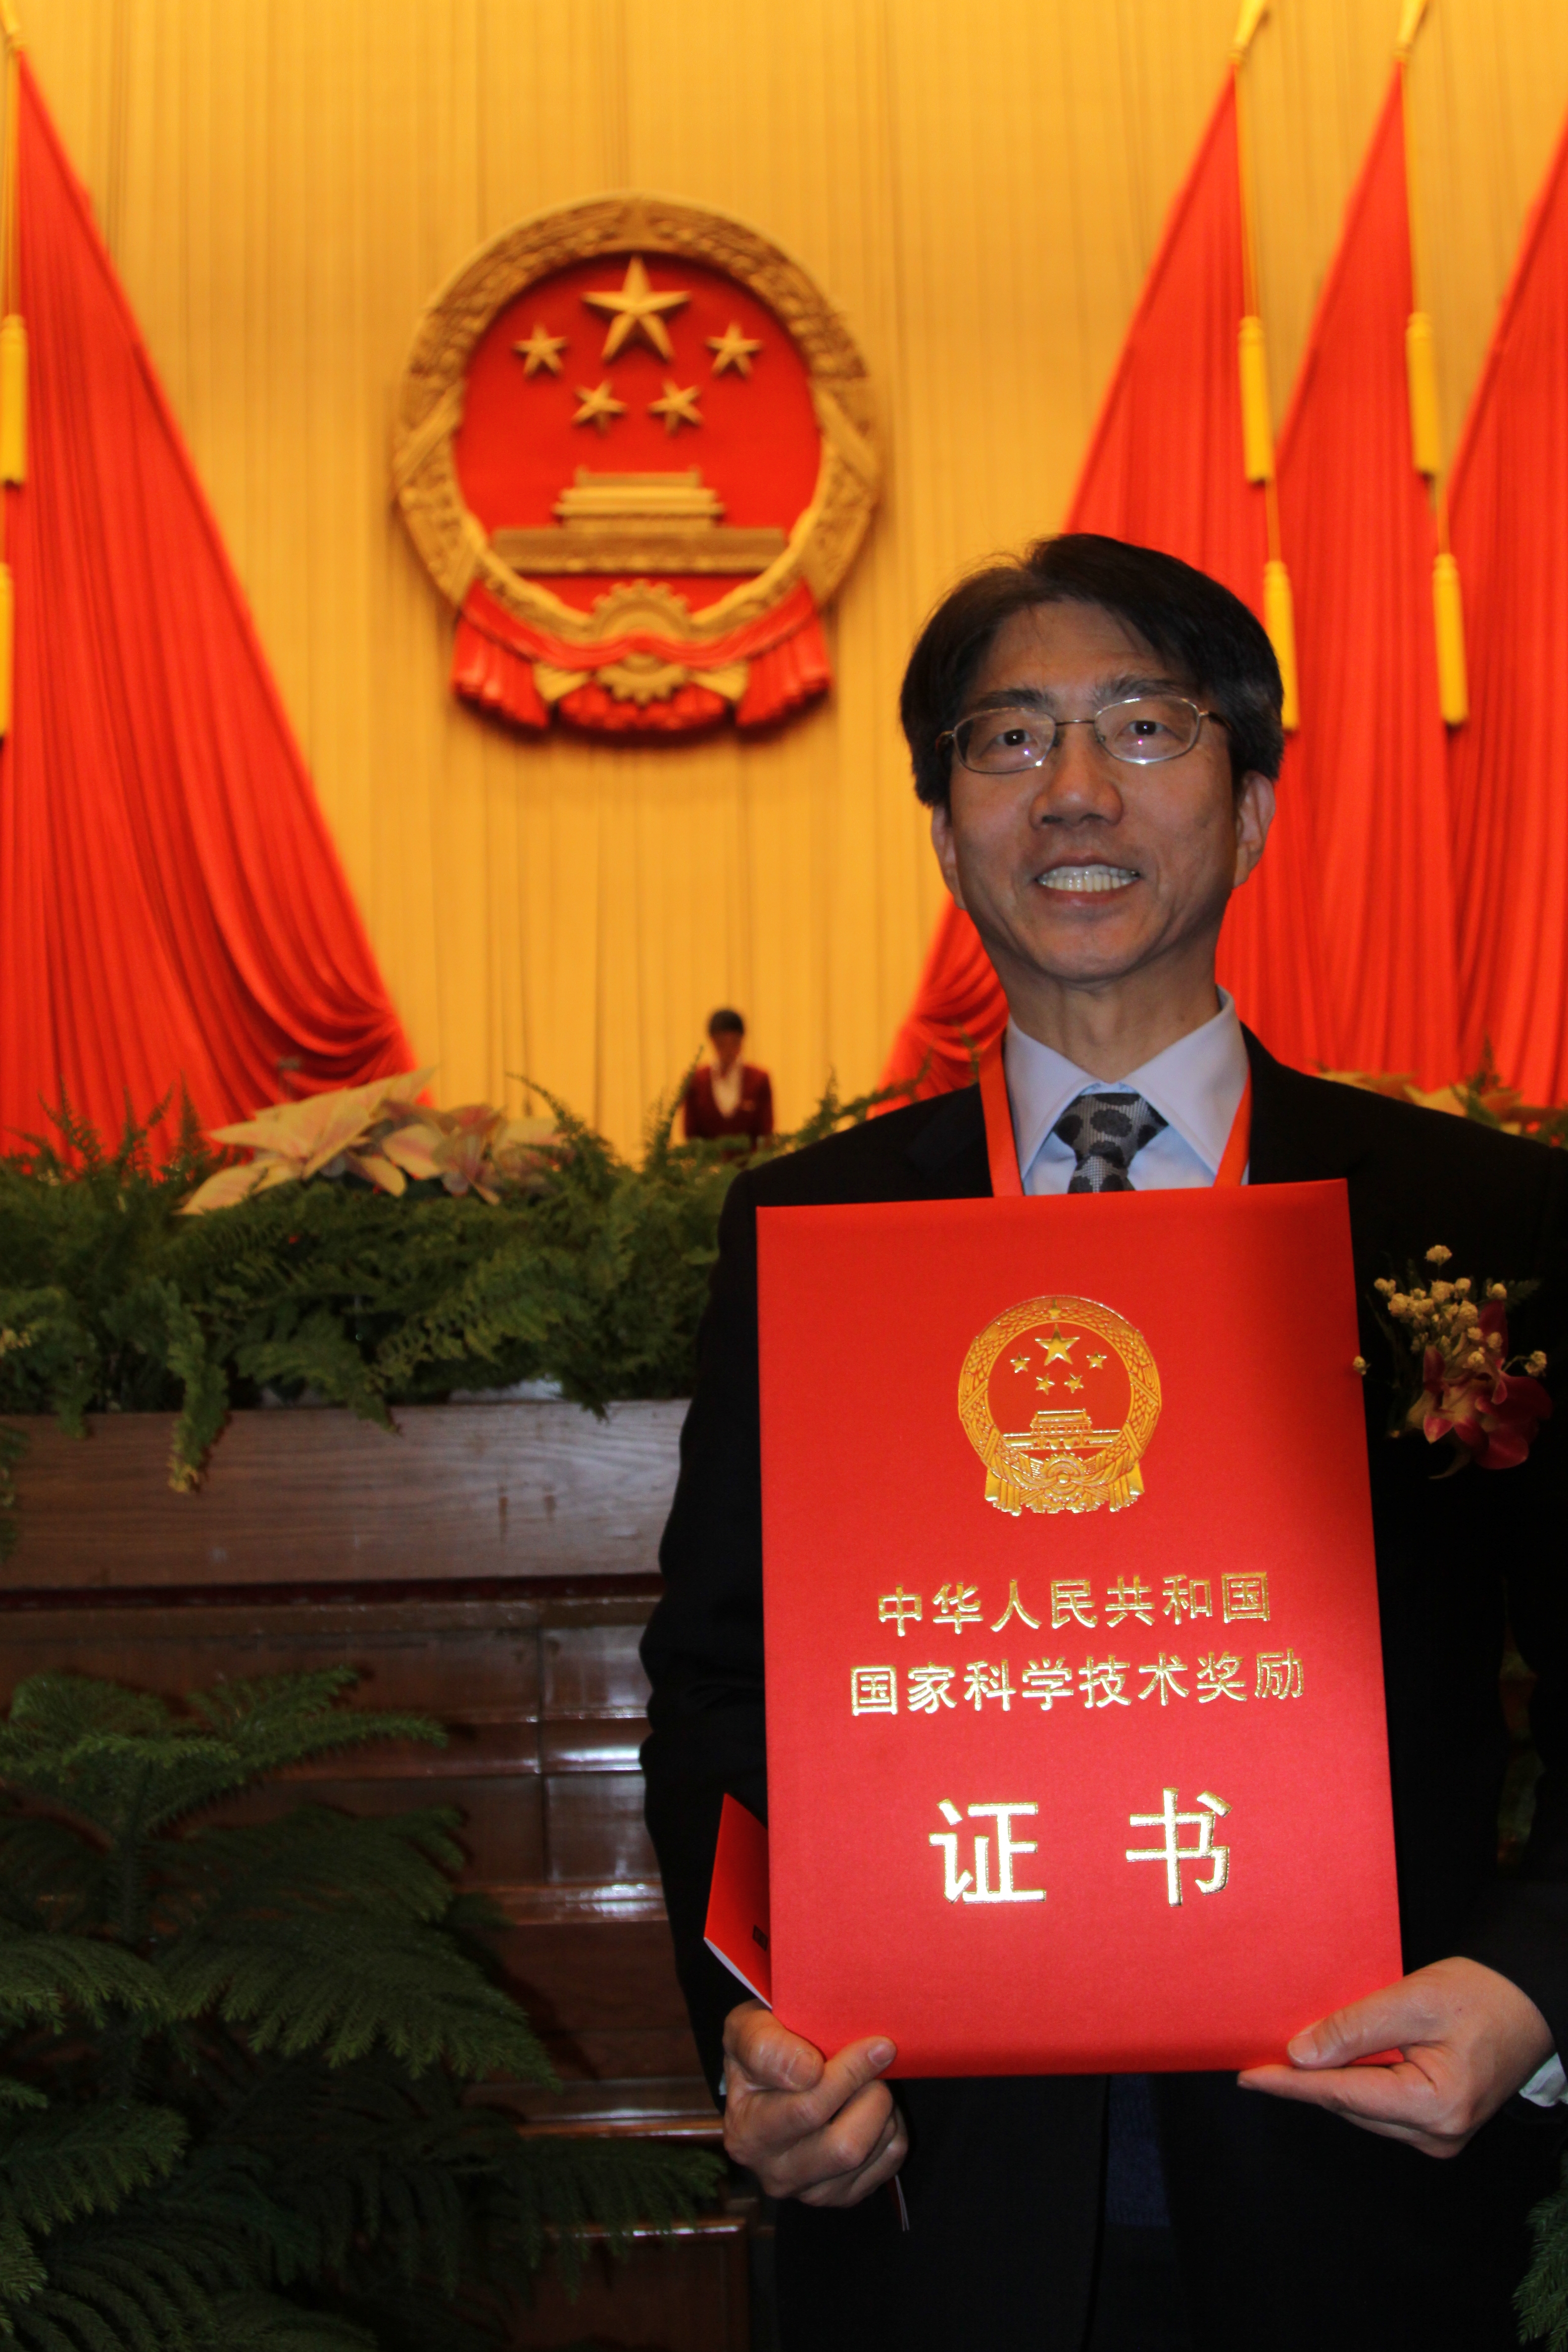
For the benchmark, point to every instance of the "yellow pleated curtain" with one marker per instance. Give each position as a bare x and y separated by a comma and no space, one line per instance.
283,183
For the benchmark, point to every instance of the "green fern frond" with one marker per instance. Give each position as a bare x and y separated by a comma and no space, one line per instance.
255,2322
20,2097
1542,2296
552,2188
22,2271
55,2166
125,1761
398,1866
322,1982
52,1873
42,1976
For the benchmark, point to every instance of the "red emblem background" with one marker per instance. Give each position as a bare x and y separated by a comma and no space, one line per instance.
672,621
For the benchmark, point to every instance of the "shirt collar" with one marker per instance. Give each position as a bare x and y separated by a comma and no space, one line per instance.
1195,1085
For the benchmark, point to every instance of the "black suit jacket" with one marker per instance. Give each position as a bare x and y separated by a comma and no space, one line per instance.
1003,2180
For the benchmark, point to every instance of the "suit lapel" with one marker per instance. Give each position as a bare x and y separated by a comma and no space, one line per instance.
946,1158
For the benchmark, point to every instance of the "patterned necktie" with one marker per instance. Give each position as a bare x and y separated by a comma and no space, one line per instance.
1104,1133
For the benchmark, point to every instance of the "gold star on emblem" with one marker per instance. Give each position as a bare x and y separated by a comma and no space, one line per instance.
1046,1383
599,407
1020,1363
542,349
635,311
677,407
1095,1363
733,349
1075,1382
1058,1349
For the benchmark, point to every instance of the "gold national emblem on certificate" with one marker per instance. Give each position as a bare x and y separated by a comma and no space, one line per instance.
1060,1397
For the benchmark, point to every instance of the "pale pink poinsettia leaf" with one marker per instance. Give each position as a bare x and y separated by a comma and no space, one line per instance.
232,1184
377,1169
413,1148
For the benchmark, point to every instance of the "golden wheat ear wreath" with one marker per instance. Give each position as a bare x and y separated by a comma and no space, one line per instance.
453,543
1073,1468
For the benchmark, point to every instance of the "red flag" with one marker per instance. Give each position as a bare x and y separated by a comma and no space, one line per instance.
1505,767
1370,758
1165,469
172,907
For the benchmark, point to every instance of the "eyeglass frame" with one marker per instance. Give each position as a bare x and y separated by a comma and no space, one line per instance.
949,734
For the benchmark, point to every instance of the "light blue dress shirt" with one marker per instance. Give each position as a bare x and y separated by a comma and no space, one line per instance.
1195,1085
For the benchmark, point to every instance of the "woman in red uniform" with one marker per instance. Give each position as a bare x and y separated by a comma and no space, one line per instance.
727,1095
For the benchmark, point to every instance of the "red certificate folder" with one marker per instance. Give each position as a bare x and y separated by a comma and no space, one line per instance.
736,1930
1077,1754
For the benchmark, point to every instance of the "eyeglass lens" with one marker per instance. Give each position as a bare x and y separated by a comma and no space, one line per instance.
1149,729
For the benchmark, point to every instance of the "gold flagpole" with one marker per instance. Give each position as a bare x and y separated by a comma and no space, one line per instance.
1252,359
12,353
1425,421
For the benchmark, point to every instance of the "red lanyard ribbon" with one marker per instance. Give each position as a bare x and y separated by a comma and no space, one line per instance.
1002,1150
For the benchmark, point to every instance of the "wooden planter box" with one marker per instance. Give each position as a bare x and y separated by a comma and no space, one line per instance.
490,1564
494,1566
315,1495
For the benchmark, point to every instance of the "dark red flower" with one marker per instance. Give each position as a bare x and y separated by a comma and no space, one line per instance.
1492,1414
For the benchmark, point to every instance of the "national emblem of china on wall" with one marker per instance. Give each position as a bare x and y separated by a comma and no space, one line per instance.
635,448
1060,1397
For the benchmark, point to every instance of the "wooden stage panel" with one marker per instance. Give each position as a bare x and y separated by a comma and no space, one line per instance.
317,1497
493,1566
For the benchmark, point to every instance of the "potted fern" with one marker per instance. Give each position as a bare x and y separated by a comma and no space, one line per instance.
235,2052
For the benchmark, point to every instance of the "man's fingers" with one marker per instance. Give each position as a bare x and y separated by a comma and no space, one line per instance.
886,2158
1374,2094
806,2125
828,2159
1384,2020
1394,2102
766,2052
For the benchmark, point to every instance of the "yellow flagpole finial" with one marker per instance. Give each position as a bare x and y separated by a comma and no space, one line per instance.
1409,25
1279,620
1421,376
1448,618
1252,12
12,400
1257,416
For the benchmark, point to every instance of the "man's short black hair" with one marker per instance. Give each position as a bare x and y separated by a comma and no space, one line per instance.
726,1021
1213,644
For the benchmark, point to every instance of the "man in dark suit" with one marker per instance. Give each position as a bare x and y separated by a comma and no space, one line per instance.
1096,729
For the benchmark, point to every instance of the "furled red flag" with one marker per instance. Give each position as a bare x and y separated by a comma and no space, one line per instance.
1508,770
172,907
1167,468
1370,759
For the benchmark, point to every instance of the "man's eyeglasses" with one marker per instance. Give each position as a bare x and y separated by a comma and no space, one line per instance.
1142,731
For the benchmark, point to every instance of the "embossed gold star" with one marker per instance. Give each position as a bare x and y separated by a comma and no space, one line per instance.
733,349
1020,1363
599,407
677,407
636,310
1046,1383
1075,1382
542,349
1095,1363
1058,1349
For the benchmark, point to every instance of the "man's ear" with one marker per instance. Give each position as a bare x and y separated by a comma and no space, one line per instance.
1254,815
946,849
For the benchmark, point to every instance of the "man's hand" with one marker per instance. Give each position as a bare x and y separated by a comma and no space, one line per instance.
822,2129
1470,2041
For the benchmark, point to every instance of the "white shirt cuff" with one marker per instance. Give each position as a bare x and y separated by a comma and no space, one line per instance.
1547,2087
